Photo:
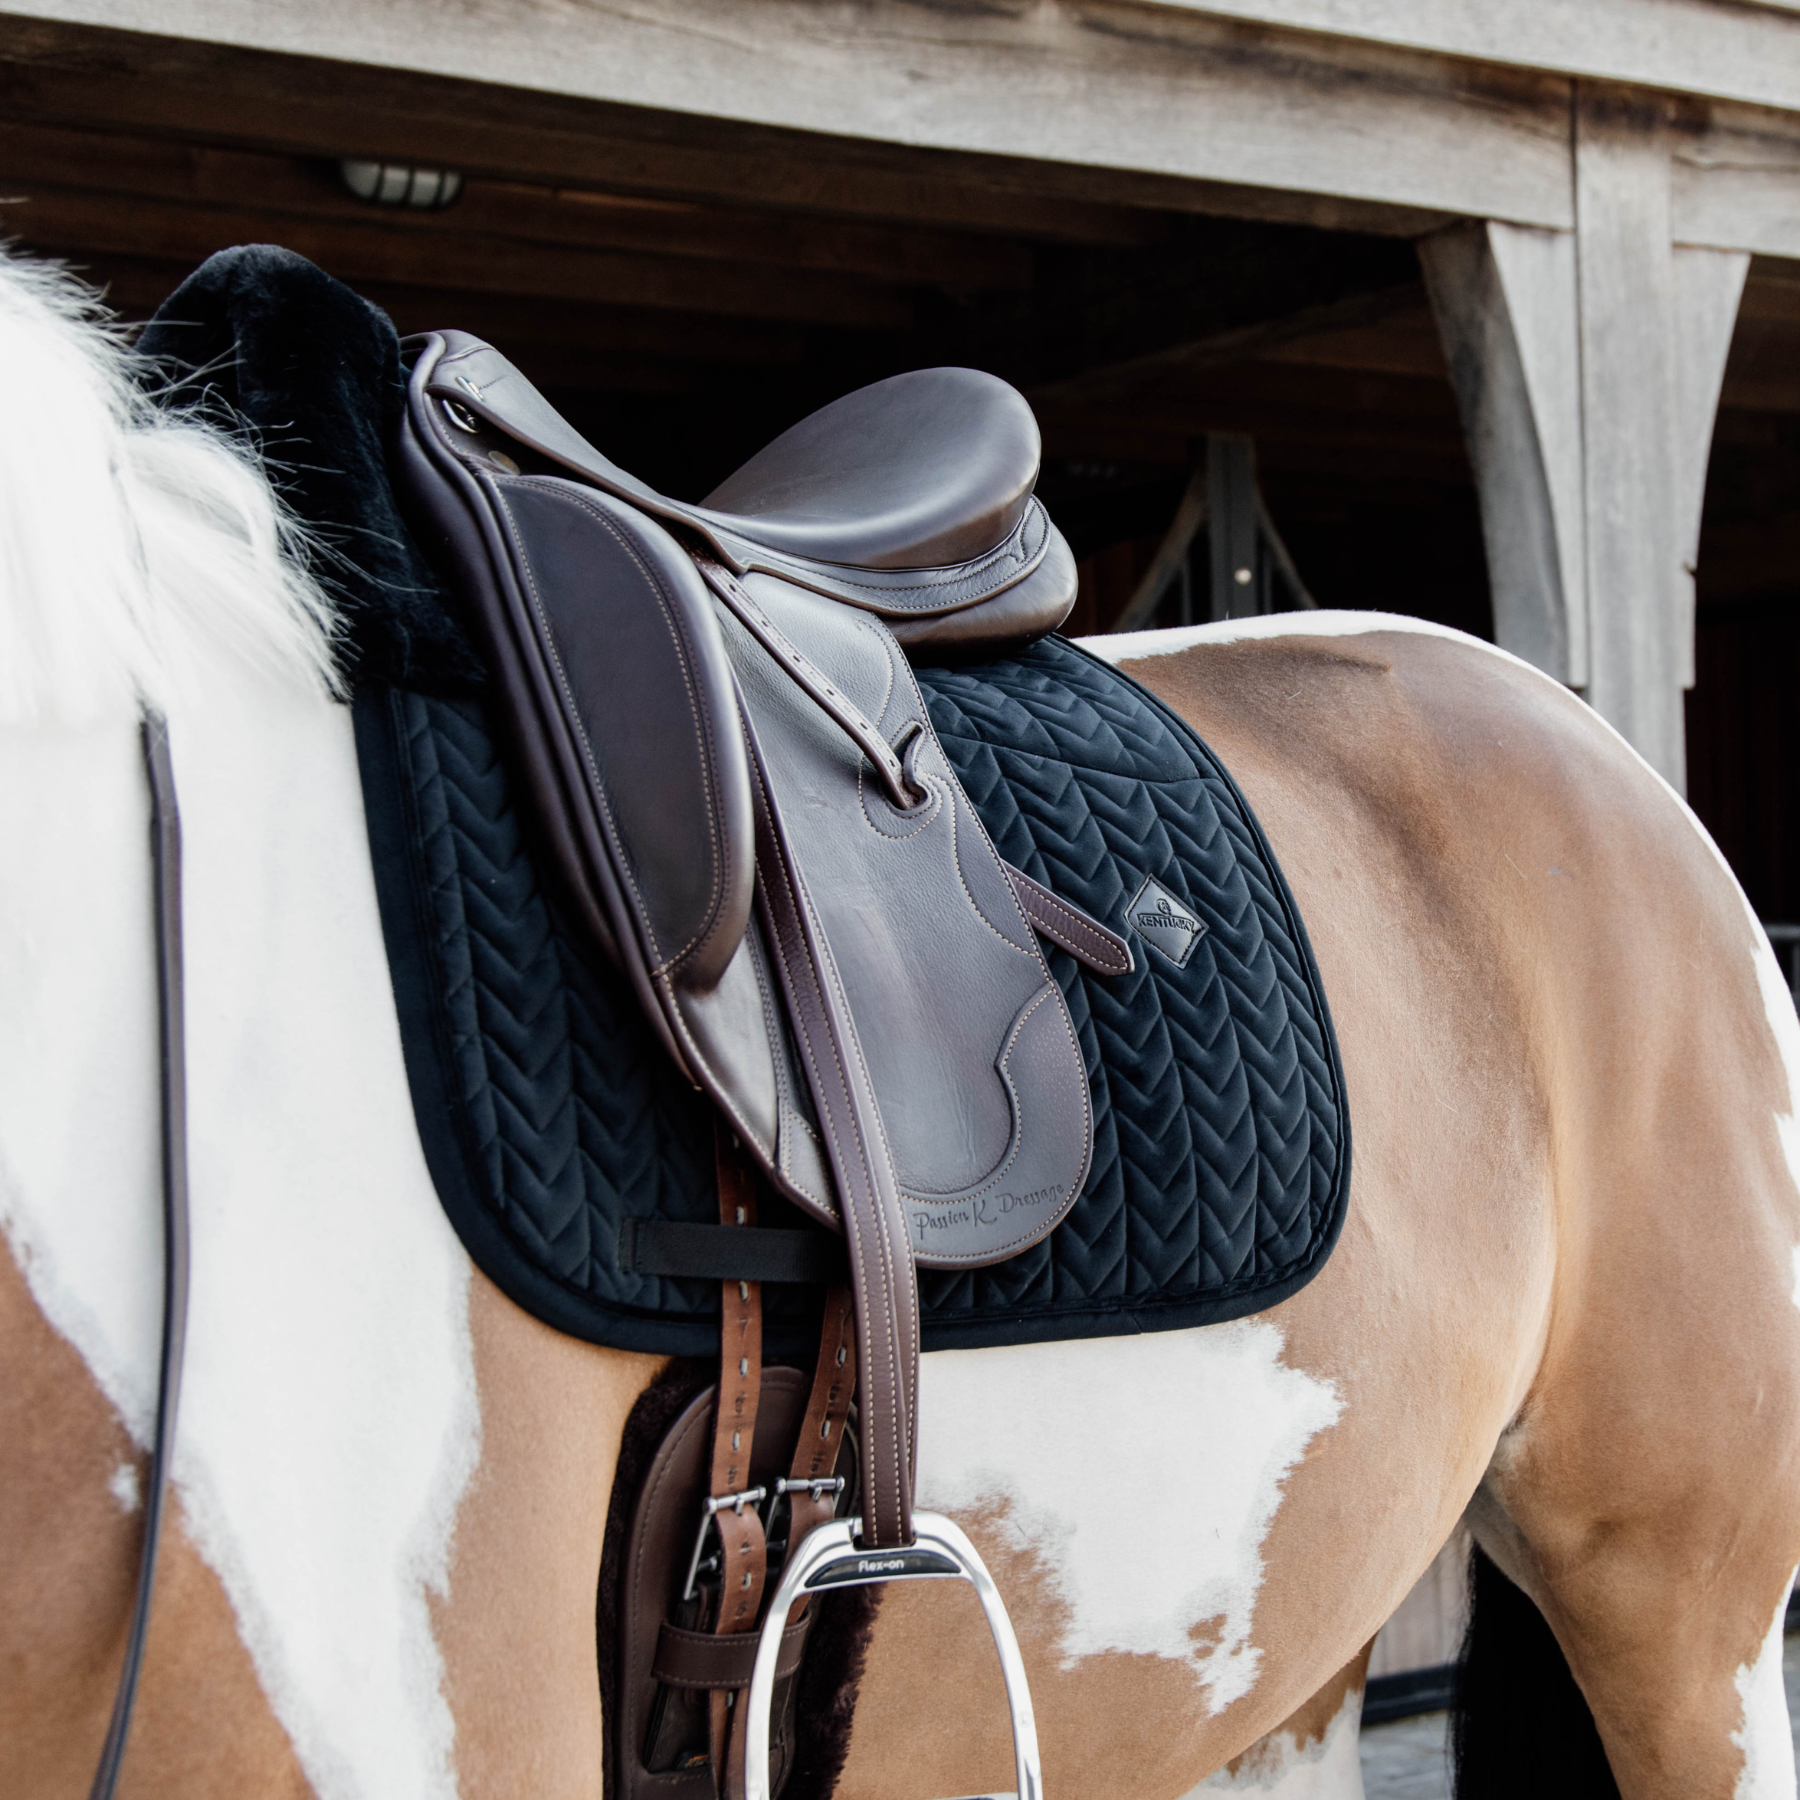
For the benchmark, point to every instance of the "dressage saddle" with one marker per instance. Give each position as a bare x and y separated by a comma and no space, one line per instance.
742,803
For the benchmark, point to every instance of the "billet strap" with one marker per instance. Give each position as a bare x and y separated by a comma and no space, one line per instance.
810,1502
902,790
883,1278
165,853
743,1552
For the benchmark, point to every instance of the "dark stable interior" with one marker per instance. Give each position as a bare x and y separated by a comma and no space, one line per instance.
684,290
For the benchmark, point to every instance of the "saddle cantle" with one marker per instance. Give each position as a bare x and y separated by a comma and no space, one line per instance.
740,789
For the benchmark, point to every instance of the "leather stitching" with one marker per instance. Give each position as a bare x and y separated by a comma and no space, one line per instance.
890,1348
702,726
897,1325
947,575
992,1251
1065,918
1029,949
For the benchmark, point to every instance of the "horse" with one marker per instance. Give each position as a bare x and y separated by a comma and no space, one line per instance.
1565,1306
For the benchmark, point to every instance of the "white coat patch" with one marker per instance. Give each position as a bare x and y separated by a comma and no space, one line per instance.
1279,1768
1187,1436
1765,1736
329,1420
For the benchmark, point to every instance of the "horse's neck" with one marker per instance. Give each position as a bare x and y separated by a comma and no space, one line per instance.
329,1421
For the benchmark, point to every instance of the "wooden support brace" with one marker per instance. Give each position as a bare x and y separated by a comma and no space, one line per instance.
1587,367
1505,301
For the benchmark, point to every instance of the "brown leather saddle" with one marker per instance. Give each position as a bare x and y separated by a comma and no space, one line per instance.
739,794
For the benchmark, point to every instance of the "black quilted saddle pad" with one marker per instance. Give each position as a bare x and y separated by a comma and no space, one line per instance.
551,1117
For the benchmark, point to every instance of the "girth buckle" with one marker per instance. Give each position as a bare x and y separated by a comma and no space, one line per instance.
830,1557
709,1509
815,1485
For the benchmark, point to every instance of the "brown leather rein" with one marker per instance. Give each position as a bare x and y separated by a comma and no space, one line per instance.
165,854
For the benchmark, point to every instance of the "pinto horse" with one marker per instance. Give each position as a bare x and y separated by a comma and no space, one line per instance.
1564,1306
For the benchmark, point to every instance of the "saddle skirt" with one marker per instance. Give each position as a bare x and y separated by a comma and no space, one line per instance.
695,736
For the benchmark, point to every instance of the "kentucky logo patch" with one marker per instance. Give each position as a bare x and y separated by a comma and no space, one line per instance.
1164,923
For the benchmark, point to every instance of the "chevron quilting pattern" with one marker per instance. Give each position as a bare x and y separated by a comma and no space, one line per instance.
1220,1146
1221,1151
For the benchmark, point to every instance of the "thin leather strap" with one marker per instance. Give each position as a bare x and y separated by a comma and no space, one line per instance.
1065,924
165,854
743,1552
702,1660
810,677
815,1457
822,1429
882,1276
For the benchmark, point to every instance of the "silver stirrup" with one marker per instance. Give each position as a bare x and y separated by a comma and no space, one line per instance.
828,1557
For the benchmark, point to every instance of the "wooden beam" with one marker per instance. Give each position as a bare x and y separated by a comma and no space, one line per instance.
587,336
1425,467
311,106
1404,342
1625,294
357,251
1711,47
1331,431
1706,286
1171,553
1736,180
1056,98
1505,301
296,187
582,339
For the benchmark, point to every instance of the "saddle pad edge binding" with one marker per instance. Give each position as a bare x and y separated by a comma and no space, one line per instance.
455,1163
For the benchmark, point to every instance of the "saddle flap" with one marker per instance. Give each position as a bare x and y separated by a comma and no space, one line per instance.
964,1035
616,686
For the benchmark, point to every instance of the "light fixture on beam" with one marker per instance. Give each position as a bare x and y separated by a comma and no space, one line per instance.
399,184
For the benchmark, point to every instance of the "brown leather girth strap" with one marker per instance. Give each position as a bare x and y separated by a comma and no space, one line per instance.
743,1558
822,1430
882,1276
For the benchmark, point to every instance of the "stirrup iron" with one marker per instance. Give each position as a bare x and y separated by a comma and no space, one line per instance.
829,1557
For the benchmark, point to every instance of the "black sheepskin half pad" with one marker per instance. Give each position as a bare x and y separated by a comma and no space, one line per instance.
267,345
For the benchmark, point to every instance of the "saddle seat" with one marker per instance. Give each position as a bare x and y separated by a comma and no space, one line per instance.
910,499
915,472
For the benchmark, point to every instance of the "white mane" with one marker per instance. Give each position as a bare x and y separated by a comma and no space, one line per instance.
138,549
